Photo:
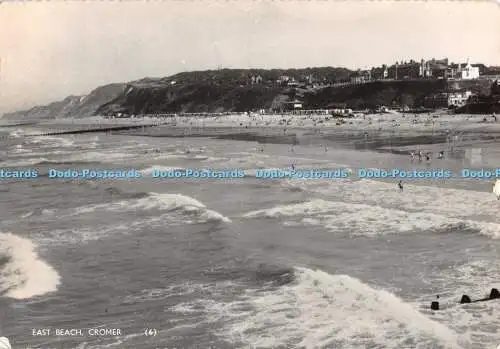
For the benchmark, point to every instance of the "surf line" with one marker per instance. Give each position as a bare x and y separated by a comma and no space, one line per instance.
494,294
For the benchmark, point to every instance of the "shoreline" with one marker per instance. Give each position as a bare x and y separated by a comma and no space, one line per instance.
376,132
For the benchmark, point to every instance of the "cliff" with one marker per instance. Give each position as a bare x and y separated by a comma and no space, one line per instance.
217,92
72,106
371,95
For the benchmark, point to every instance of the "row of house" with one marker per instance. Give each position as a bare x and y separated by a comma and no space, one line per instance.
432,69
425,69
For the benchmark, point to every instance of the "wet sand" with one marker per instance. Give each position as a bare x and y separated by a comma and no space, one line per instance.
380,141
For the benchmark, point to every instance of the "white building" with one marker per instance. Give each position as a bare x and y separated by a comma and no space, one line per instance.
469,72
458,99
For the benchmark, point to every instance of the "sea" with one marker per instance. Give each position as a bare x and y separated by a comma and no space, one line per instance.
245,262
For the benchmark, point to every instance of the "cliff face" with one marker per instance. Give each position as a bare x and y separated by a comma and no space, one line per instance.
72,106
214,91
196,97
371,95
218,96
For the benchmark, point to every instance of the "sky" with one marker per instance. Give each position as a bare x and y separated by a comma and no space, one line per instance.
50,50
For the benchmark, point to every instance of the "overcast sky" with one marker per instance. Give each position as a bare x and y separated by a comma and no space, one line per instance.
50,50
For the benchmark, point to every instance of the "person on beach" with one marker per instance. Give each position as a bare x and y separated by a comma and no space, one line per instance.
441,154
400,185
428,157
420,156
412,156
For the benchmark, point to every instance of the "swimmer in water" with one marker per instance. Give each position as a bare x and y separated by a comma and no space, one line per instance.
400,185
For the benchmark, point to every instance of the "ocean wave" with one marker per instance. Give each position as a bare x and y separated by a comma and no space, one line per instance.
73,158
24,162
177,202
152,201
422,197
371,220
22,274
4,343
320,310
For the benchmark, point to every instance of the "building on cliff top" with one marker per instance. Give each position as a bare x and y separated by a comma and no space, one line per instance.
462,72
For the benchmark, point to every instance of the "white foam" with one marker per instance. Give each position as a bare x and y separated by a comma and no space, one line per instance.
170,202
24,275
4,343
319,310
363,219
163,202
24,162
380,205
475,278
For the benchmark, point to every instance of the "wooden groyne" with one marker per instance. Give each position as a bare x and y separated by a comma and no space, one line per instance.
92,130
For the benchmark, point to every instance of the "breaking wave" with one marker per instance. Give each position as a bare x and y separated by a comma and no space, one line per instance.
22,273
320,310
362,219
155,201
